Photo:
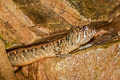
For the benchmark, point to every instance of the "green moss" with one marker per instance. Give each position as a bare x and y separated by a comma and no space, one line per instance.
0,36
10,44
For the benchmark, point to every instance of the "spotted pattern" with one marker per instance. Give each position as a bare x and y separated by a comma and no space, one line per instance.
76,37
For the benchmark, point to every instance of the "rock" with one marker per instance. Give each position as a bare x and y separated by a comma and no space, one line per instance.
25,22
6,69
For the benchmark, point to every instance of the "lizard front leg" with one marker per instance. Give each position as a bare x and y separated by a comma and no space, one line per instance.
6,70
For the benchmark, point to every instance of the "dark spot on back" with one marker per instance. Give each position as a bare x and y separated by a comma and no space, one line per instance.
12,53
16,51
34,49
23,51
42,47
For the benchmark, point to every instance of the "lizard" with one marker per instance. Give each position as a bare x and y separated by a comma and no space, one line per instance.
34,49
59,48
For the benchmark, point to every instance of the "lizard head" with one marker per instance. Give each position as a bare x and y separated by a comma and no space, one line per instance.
82,35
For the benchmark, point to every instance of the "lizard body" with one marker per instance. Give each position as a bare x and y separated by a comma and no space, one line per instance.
76,37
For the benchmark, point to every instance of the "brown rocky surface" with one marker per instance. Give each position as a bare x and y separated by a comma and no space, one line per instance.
27,23
100,62
24,22
6,69
10,19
